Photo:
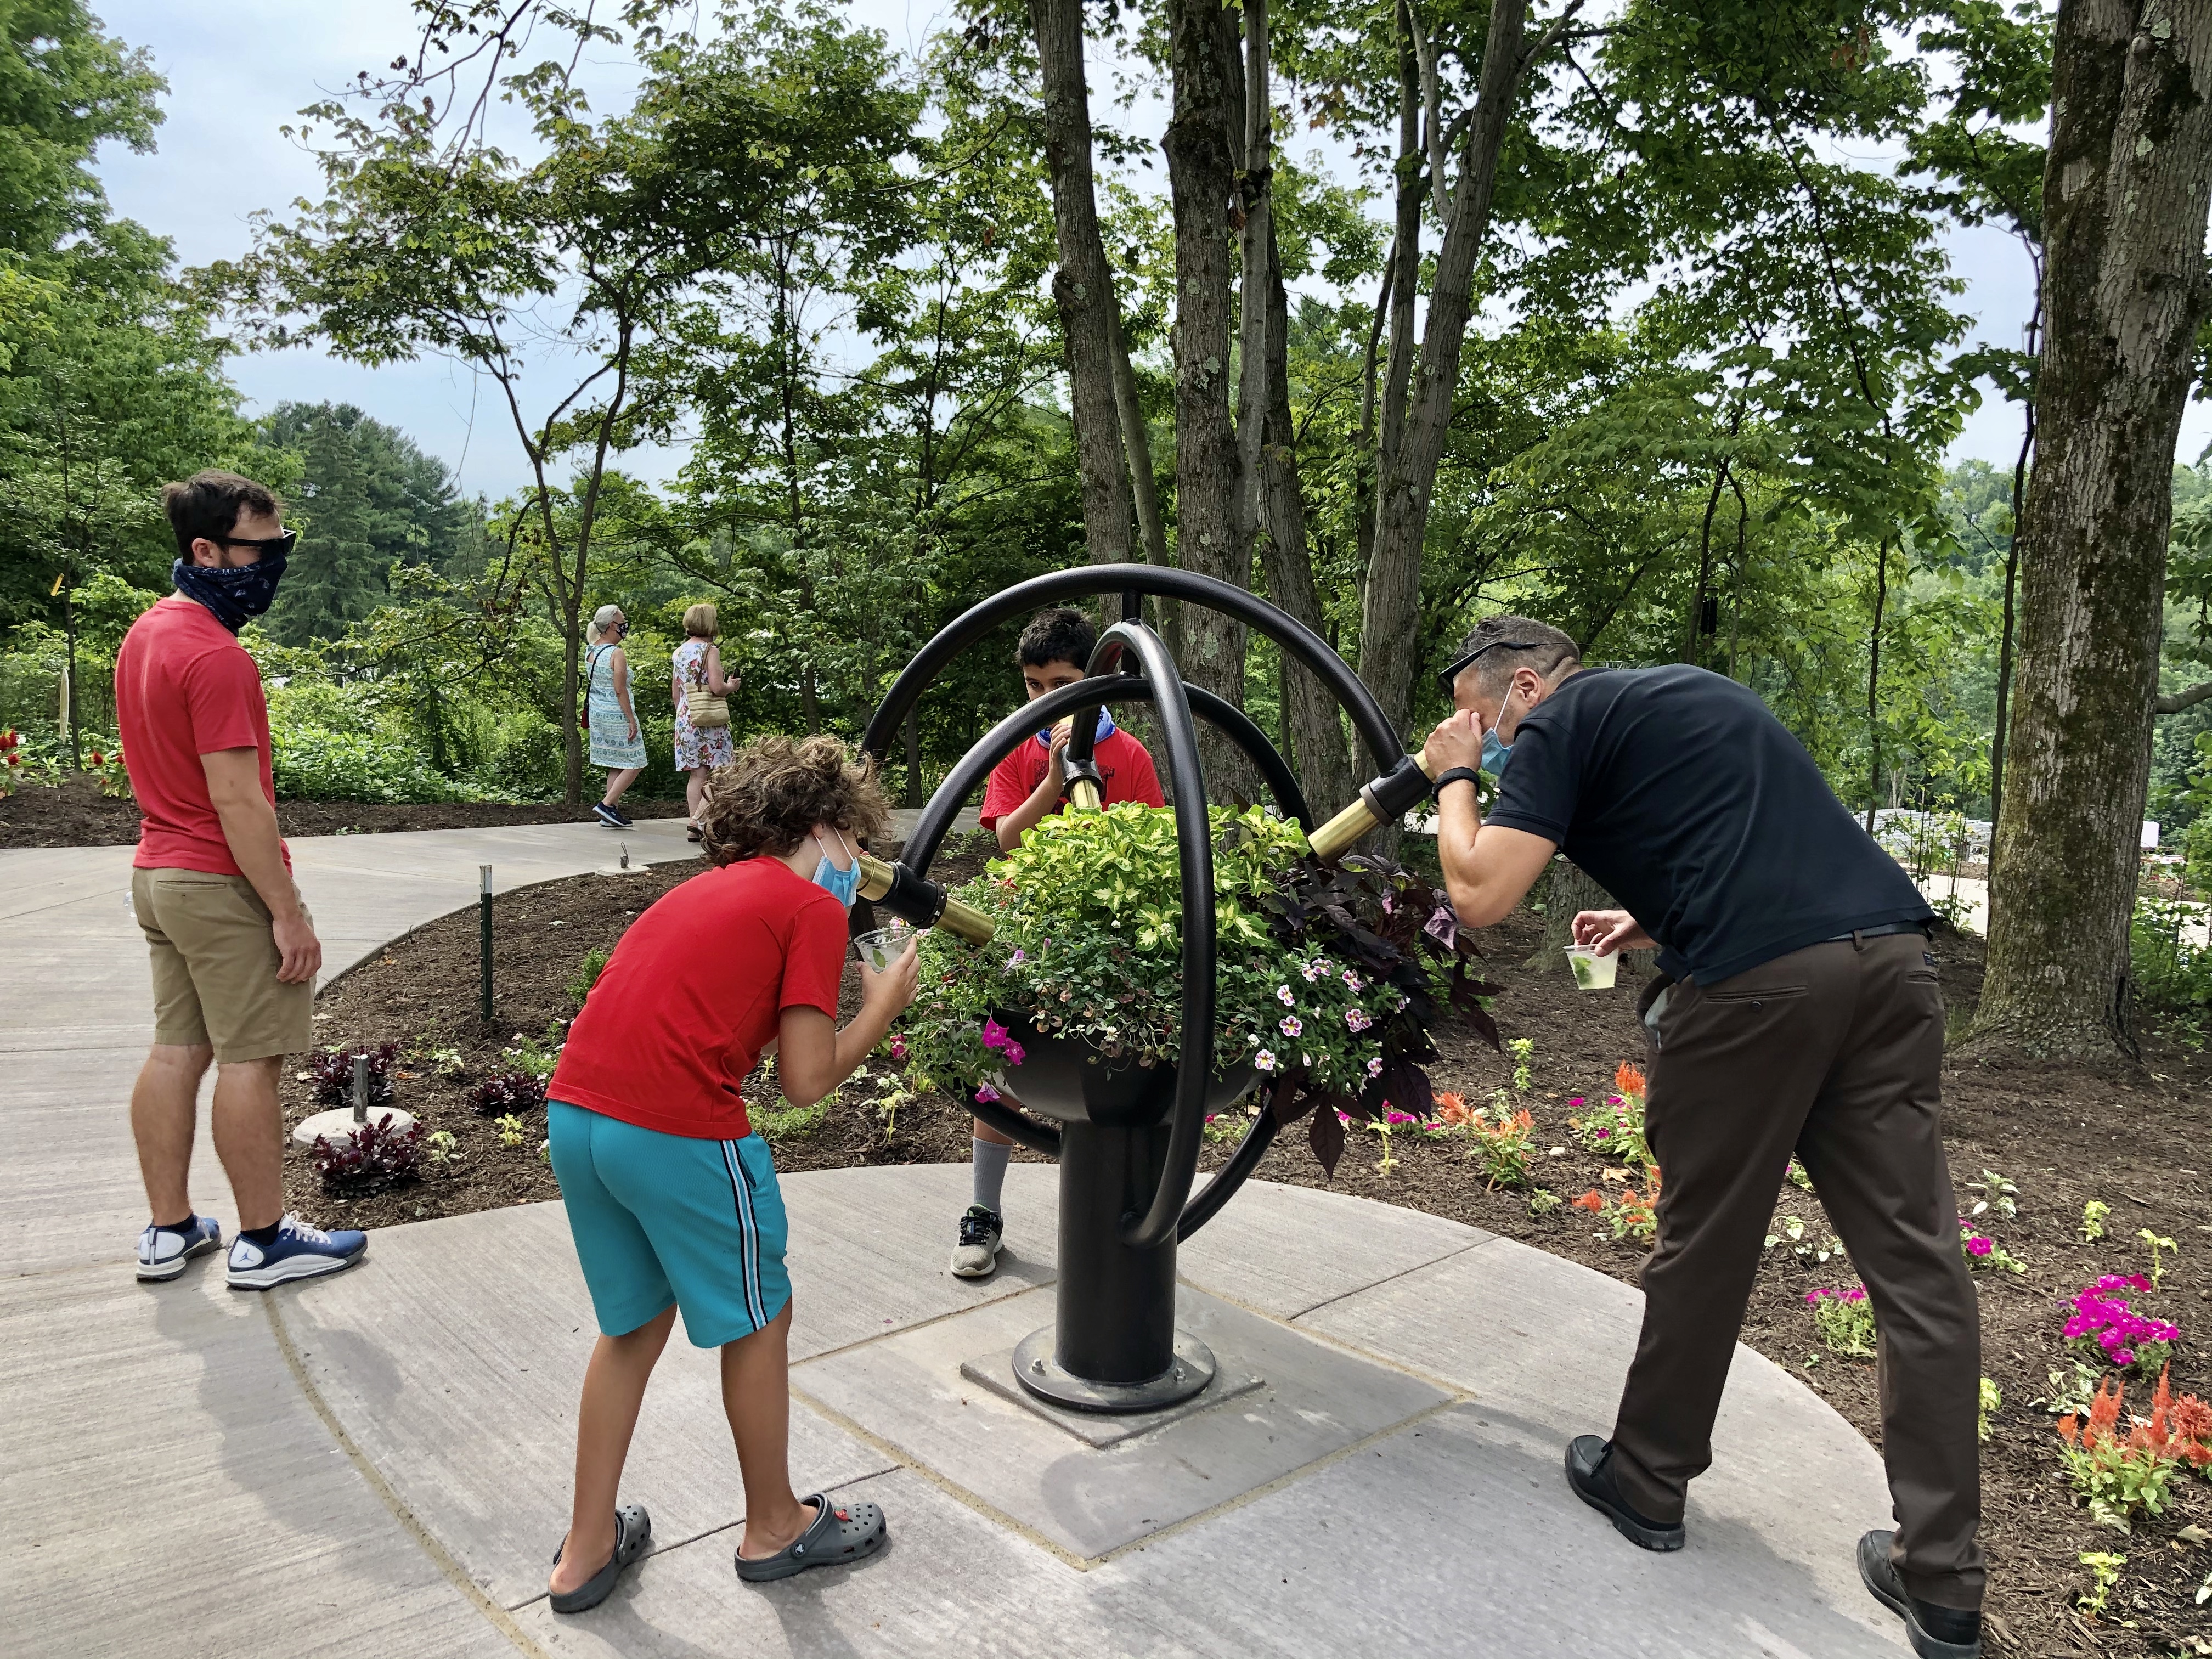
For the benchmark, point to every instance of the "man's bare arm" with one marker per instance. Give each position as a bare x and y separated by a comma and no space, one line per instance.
249,826
1486,868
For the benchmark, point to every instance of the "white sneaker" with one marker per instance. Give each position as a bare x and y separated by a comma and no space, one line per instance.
163,1251
982,1232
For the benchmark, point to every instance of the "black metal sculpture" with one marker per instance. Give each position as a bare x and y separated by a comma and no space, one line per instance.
1128,1138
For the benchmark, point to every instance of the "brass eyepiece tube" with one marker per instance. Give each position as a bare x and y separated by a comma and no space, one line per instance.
1383,798
922,902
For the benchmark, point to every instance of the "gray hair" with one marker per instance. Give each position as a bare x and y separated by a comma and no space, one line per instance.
1532,645
603,619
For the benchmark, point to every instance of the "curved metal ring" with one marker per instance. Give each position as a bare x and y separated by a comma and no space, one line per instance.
1195,859
1292,636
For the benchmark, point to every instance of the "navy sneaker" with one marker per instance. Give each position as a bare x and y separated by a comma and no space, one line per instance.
612,816
298,1251
163,1251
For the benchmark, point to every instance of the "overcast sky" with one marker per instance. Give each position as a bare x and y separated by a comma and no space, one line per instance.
238,69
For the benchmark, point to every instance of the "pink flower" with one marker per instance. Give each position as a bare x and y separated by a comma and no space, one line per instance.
1576,1101
1375,1066
1016,960
1352,982
1016,1054
1357,1019
1265,1060
898,1048
1292,1025
995,1036
986,1093
1283,995
1978,1246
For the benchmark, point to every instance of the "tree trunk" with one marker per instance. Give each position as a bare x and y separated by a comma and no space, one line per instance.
1389,633
1873,681
1083,286
1200,179
572,738
2125,189
1316,749
2004,637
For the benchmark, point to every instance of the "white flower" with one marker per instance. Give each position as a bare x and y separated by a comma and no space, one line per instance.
1283,995
1264,1059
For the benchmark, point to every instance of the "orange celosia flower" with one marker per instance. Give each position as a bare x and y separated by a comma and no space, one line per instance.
2068,1430
1452,1108
1591,1202
1628,1080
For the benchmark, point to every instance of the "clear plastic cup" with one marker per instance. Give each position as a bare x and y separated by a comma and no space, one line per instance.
1593,972
883,947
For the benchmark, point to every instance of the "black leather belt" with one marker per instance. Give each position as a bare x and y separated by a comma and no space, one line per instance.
1882,932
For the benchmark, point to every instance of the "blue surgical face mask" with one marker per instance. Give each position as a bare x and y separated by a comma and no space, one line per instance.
1495,754
1105,730
843,886
232,596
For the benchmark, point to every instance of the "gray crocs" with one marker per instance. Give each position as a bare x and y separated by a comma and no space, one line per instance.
840,1532
633,1532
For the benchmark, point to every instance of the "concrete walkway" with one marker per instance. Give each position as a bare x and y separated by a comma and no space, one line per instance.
376,1464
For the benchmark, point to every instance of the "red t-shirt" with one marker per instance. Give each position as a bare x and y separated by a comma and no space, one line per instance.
185,686
694,992
1122,762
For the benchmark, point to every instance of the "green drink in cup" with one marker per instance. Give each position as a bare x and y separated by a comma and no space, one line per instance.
1593,972
883,947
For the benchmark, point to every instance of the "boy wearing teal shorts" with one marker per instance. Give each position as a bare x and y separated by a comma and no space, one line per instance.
672,1200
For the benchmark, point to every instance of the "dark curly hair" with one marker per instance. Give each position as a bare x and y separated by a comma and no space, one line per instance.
777,789
1061,634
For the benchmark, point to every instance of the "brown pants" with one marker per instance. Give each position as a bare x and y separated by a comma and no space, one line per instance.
1833,1051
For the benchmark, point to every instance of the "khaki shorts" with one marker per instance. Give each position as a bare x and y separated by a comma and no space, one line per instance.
215,967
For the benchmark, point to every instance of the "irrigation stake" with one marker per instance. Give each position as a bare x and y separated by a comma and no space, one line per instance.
484,942
361,1088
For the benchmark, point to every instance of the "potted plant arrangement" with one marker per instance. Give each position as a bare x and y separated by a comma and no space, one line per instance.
1327,979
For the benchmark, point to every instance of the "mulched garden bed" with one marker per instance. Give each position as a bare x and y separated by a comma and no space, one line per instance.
73,813
2063,1135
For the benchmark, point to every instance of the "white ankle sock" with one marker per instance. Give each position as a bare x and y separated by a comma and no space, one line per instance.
991,1160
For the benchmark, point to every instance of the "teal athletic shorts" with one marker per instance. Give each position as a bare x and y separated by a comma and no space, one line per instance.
659,1218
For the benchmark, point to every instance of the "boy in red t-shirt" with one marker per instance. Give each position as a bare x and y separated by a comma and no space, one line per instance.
1025,788
672,1198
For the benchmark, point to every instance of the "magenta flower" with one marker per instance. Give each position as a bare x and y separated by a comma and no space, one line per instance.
995,1036
1576,1101
1292,1025
986,1093
898,1048
1978,1246
1016,960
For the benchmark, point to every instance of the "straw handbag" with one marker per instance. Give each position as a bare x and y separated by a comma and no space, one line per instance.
703,707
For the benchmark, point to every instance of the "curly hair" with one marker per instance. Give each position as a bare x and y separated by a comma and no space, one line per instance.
777,789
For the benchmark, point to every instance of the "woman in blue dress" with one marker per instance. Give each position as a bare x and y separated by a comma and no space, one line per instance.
617,743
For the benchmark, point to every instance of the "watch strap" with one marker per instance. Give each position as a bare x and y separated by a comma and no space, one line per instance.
1457,774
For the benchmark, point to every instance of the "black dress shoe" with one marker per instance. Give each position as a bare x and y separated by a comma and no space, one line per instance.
1936,1632
1589,1471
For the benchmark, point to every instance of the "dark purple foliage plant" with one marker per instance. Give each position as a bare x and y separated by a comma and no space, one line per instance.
370,1159
506,1092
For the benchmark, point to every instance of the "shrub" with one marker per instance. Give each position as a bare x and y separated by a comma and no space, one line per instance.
310,763
1845,1321
506,1092
103,758
332,1073
370,1158
2119,1477
586,975
2104,1326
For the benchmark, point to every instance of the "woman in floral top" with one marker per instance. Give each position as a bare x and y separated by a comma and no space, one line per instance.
698,662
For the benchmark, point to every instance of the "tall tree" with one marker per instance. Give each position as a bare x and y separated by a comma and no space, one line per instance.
2126,187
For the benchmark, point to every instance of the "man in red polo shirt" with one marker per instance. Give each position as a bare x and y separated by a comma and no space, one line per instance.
1025,788
235,951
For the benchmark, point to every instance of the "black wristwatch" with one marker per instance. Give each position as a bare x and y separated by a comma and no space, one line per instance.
1458,773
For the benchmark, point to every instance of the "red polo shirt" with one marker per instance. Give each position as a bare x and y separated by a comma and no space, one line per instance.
185,686
693,993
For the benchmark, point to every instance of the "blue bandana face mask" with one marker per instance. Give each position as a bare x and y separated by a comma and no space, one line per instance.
233,597
1495,754
1105,730
843,886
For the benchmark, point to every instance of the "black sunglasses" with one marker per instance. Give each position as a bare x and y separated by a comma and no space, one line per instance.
283,543
1447,678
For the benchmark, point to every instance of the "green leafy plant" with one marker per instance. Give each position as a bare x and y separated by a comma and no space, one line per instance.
2106,1570
1614,1127
1992,1400
2071,1391
586,974
1543,1201
441,1147
2122,1476
1982,1251
447,1062
1798,1178
1327,979
512,1131
790,1122
2158,1249
103,758
1998,1195
1808,1244
2094,1215
1521,1049
525,1055
1845,1319
1501,1144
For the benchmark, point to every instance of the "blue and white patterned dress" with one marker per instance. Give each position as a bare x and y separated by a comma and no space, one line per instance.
612,745
693,747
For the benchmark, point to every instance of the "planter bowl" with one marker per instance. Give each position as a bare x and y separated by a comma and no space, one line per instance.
1071,1082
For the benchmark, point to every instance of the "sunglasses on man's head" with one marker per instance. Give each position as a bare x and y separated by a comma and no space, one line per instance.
267,545
1449,677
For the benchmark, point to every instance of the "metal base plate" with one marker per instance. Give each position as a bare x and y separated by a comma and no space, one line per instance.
1036,1370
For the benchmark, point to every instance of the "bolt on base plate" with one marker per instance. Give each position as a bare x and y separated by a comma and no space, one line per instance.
1036,1370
